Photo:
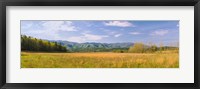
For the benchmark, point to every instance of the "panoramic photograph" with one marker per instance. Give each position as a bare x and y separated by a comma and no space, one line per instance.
99,43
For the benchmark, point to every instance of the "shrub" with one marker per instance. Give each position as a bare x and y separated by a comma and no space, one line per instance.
137,48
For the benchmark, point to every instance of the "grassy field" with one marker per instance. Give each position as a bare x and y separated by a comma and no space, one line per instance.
100,60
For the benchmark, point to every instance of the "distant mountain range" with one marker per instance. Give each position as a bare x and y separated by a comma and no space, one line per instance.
92,46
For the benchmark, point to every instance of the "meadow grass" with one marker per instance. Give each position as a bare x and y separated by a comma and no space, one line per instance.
100,60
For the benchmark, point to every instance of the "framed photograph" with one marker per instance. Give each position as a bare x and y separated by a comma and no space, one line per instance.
99,44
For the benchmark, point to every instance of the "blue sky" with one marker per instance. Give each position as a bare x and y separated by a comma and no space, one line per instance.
104,31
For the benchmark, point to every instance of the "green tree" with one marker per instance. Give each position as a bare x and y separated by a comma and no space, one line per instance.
34,44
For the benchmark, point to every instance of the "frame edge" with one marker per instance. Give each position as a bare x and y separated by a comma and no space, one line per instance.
196,44
2,46
3,40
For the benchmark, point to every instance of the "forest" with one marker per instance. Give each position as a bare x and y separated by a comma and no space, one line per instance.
29,43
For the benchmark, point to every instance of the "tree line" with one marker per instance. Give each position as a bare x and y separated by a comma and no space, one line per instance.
142,48
38,45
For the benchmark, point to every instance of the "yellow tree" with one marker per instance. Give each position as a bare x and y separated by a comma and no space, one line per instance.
137,48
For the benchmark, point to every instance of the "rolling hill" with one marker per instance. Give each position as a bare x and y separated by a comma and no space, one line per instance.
93,47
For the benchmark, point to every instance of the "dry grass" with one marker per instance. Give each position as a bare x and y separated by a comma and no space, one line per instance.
100,60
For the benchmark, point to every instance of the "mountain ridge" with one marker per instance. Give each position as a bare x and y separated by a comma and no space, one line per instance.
93,46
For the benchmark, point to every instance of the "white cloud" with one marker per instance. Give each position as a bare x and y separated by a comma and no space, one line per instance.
58,26
119,23
117,35
27,25
78,39
159,32
86,38
94,37
135,33
112,32
51,29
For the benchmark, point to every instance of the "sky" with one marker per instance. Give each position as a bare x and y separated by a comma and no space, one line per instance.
163,32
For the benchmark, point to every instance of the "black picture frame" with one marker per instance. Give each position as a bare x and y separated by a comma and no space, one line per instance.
4,3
